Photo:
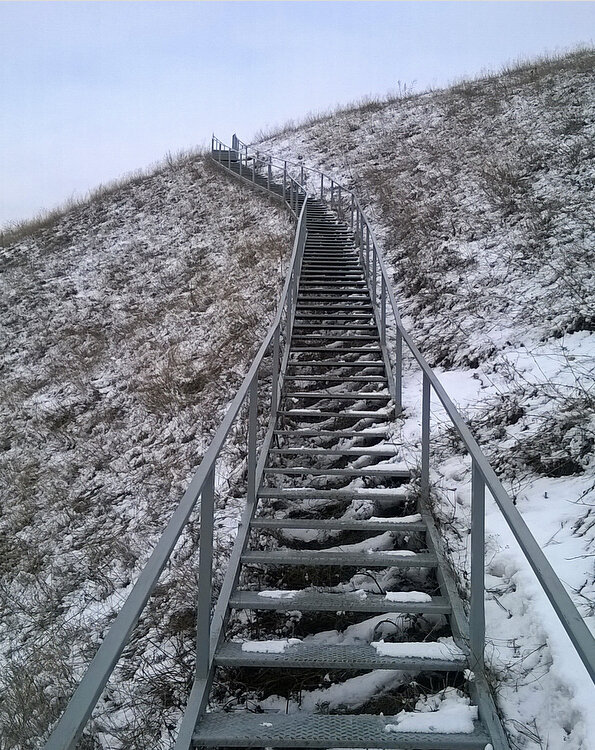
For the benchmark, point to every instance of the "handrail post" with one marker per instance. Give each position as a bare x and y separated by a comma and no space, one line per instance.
284,178
399,372
302,175
275,374
352,212
252,430
269,174
253,169
321,187
477,606
368,252
425,439
382,311
205,576
340,206
374,272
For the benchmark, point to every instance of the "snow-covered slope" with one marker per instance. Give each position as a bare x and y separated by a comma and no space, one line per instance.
482,196
127,327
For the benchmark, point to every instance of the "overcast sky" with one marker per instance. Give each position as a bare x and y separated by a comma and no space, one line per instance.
91,90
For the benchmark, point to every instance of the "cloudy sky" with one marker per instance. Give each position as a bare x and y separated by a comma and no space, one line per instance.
91,90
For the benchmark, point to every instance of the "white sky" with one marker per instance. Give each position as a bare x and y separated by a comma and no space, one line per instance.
91,90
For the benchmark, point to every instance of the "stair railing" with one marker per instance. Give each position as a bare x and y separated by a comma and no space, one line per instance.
261,388
483,477
250,166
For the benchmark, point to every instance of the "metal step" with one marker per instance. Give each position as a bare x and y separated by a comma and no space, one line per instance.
340,350
338,524
345,396
310,414
308,655
311,297
316,338
323,730
335,363
338,378
396,495
330,327
368,471
316,558
317,601
356,452
339,434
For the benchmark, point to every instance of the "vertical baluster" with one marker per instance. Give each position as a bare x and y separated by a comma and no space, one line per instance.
477,609
368,252
374,272
398,372
205,575
425,439
275,373
382,311
252,433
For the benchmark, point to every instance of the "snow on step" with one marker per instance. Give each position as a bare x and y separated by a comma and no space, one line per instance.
278,594
407,596
269,647
449,713
243,729
444,648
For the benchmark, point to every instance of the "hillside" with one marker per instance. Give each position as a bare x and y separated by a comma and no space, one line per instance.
482,196
130,323
132,318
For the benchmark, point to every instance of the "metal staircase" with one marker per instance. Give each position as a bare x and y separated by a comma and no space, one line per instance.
332,480
336,531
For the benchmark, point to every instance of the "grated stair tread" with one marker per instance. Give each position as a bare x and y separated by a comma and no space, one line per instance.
394,559
366,471
303,729
389,524
367,452
308,493
344,396
322,601
313,655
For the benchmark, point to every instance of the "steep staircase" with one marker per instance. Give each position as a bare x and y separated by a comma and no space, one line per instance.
341,576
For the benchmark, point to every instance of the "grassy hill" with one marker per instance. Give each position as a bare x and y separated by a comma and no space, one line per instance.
131,318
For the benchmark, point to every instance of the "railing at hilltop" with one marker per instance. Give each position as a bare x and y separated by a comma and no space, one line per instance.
261,387
349,209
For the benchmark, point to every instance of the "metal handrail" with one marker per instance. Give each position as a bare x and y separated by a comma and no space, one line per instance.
72,722
483,476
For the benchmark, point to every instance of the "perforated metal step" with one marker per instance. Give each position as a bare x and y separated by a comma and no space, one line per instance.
319,730
304,493
315,601
368,452
395,559
306,414
390,524
312,655
368,471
